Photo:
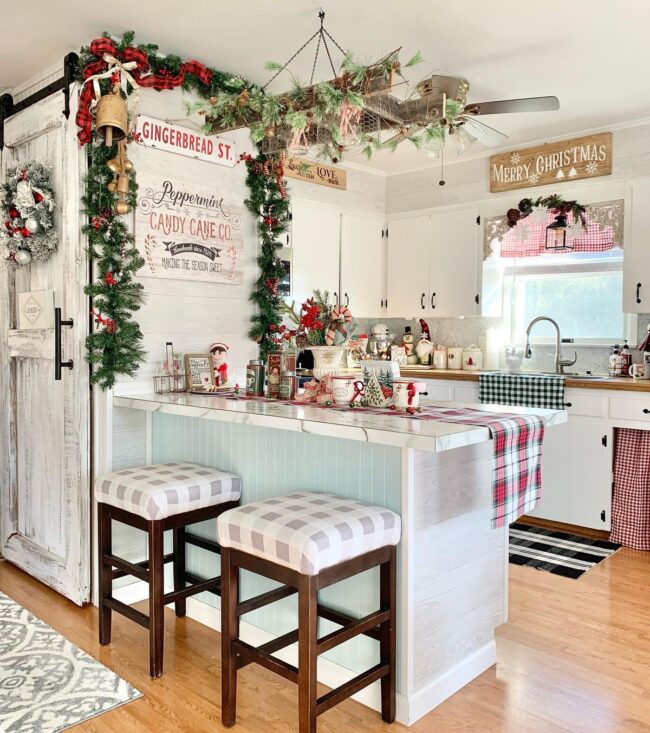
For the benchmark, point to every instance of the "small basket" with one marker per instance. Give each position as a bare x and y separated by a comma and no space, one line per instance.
168,383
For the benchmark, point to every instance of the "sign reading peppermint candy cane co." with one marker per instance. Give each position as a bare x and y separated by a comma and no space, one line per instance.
557,162
313,172
153,133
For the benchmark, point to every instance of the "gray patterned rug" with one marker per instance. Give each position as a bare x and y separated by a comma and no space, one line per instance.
48,684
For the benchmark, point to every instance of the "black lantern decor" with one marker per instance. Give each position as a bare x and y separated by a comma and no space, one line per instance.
556,234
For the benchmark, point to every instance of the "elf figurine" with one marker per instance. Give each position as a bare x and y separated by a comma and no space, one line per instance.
219,351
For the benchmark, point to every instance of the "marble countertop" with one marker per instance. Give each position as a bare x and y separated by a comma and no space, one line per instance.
389,429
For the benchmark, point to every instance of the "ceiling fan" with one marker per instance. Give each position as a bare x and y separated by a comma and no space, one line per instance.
440,107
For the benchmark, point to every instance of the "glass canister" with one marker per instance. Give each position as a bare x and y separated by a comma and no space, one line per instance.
288,385
255,378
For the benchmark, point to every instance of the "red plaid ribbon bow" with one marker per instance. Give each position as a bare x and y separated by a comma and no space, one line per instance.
142,75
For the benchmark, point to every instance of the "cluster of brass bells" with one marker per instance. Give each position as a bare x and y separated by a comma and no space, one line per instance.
120,166
112,124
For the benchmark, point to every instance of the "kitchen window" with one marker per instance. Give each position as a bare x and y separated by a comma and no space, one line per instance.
582,291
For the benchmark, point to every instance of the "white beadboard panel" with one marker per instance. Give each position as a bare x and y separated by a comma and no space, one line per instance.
273,462
366,191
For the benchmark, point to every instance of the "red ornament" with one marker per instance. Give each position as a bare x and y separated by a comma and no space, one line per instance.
273,327
8,225
25,232
109,279
13,213
38,197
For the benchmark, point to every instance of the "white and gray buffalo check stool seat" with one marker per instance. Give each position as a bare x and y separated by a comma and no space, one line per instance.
308,541
156,498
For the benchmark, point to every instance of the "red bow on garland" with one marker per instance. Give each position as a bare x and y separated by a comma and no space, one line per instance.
142,75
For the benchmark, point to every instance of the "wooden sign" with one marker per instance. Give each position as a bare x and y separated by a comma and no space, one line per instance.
153,133
187,229
312,172
199,371
559,162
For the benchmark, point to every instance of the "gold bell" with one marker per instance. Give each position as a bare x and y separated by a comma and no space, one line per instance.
112,117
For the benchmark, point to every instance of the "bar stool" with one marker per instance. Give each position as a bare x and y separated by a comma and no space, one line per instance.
308,541
166,496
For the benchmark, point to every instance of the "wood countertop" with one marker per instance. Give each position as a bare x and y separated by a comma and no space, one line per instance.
602,382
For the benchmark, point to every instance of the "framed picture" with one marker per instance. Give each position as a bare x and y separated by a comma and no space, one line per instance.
199,372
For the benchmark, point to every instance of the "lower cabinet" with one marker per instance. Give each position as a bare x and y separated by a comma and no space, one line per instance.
577,473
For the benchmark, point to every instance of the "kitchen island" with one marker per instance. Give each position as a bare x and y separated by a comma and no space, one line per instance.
453,567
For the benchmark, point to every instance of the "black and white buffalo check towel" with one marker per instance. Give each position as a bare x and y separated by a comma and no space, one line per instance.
525,390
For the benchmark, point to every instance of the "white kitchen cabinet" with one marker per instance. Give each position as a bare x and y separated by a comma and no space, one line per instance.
407,262
315,243
433,266
454,267
363,265
636,262
577,473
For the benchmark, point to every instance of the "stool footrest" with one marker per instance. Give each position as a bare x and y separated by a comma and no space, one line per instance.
338,694
248,654
138,569
352,629
344,620
291,637
202,542
252,604
128,611
212,584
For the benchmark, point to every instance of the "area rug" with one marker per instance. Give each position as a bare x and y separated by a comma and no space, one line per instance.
48,684
556,552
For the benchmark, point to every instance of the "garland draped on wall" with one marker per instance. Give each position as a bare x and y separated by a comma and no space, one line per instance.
115,346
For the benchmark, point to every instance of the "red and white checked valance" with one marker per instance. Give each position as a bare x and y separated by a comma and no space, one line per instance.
604,231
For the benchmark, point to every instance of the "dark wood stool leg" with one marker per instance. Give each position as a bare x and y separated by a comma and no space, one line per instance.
388,635
105,547
156,599
229,633
307,656
179,568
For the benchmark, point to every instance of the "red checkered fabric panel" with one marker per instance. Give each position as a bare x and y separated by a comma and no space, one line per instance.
631,499
593,239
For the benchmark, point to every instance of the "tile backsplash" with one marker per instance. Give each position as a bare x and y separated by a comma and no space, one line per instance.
466,331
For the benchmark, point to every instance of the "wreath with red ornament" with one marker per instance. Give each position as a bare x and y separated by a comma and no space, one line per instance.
27,229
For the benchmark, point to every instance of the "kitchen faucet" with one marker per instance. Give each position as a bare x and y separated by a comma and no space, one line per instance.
560,363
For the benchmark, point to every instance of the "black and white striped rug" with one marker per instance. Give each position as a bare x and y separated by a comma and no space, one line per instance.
556,552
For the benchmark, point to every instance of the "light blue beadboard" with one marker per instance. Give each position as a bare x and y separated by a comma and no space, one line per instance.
273,462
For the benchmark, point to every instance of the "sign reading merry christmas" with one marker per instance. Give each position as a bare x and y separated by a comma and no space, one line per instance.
558,162
187,231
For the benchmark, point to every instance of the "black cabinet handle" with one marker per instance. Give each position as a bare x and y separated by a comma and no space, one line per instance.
568,404
347,300
336,297
433,295
58,325
646,411
422,300
382,302
638,292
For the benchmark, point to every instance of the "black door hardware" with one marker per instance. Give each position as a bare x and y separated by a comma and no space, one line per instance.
58,325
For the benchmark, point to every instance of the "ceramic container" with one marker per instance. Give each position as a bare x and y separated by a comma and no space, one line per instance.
406,393
327,360
640,371
440,357
472,358
346,388
454,357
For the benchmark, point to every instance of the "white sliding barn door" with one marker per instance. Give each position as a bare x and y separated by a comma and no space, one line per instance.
44,424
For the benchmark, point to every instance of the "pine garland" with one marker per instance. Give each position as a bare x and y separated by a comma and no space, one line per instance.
268,201
115,346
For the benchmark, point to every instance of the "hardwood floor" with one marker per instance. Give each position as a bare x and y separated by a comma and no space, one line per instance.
574,656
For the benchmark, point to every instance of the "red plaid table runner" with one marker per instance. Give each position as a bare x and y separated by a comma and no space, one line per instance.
517,442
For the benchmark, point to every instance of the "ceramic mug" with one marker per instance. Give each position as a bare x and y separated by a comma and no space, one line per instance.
345,389
640,371
406,393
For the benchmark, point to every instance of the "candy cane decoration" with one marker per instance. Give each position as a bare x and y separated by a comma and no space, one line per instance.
339,316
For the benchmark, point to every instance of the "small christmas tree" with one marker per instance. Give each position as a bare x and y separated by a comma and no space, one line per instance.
374,396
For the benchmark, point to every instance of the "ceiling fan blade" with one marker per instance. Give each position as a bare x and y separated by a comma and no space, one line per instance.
484,133
528,104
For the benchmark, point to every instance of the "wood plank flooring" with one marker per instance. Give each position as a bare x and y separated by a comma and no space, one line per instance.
574,657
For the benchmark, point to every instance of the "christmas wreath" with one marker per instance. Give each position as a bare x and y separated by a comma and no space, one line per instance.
27,214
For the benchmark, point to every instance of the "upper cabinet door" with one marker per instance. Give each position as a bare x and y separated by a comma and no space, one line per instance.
454,265
363,265
409,242
636,261
315,242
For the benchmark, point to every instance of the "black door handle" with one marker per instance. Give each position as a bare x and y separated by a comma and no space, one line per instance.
58,364
336,298
347,300
433,295
568,404
638,292
422,300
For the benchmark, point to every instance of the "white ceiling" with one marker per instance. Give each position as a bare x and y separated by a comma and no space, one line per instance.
592,54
